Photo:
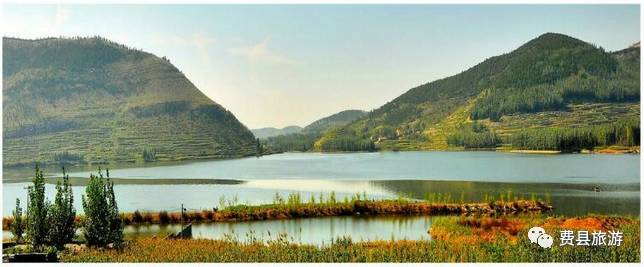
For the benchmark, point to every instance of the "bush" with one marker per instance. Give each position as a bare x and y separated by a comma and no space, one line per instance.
164,218
137,217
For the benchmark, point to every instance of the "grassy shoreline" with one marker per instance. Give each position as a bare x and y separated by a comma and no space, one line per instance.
293,207
454,239
596,150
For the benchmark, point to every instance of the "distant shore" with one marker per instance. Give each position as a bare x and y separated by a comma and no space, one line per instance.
532,151
603,150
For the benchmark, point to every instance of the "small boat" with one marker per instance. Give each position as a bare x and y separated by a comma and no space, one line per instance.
596,188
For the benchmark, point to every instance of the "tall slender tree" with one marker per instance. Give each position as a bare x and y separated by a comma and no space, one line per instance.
115,221
17,228
37,226
103,224
62,214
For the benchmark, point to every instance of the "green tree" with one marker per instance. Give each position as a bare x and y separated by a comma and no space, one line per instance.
102,224
17,228
62,214
258,146
115,221
623,132
37,226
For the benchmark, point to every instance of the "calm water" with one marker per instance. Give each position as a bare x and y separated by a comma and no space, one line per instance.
301,230
315,231
462,166
565,180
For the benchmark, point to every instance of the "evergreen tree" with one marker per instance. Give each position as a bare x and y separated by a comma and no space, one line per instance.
624,132
474,135
17,228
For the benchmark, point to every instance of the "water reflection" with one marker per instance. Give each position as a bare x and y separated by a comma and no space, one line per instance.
435,165
567,199
317,231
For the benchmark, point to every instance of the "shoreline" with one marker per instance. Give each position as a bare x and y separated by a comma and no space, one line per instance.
453,239
603,150
521,151
285,211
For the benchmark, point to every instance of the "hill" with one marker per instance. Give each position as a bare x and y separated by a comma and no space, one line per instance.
317,127
304,140
90,100
339,119
271,131
552,81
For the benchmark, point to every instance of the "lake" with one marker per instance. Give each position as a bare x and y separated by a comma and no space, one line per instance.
460,166
565,180
359,228
315,231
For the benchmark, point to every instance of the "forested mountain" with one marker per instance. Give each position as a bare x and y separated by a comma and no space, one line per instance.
304,139
271,131
90,100
339,119
552,76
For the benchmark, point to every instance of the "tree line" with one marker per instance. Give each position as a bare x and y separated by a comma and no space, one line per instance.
579,88
474,135
347,143
291,142
625,132
46,224
343,139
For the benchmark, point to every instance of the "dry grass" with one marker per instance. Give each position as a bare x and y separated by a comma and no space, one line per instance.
308,210
454,240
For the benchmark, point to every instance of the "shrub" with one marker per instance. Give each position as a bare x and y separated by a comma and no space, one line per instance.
137,217
164,218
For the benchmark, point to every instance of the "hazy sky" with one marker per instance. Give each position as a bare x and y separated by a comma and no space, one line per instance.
290,65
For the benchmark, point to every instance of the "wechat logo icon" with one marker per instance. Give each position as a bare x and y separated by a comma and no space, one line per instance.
538,235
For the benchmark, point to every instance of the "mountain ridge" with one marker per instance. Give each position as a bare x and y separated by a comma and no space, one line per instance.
304,140
266,132
548,73
129,105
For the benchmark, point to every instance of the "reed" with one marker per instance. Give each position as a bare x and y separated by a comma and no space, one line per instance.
292,206
454,239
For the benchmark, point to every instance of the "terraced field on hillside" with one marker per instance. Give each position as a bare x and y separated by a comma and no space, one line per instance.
90,100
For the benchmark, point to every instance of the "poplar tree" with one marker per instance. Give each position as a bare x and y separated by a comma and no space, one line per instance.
103,224
62,214
37,226
17,228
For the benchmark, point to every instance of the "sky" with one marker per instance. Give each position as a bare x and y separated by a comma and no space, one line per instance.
280,65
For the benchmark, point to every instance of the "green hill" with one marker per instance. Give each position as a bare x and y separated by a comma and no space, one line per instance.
315,128
339,119
267,132
553,81
90,100
305,139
